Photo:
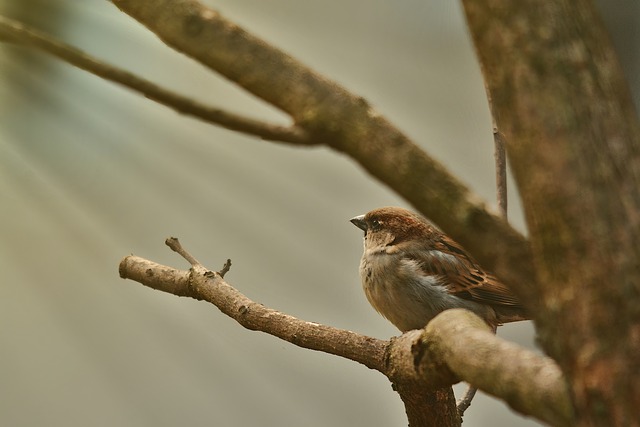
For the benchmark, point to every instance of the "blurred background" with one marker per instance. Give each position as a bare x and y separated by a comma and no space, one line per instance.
90,172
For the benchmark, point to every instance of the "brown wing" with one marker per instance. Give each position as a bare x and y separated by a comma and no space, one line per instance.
464,277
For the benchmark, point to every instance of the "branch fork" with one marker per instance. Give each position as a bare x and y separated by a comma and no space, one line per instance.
422,364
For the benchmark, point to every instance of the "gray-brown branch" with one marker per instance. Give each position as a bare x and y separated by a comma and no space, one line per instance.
528,382
202,284
455,346
21,34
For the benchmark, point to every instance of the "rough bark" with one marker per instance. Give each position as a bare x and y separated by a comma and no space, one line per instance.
561,101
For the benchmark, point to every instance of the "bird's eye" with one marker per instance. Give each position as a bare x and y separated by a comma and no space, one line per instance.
376,224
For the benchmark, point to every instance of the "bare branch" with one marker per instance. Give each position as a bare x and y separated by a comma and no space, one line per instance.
456,345
202,284
21,34
346,123
530,383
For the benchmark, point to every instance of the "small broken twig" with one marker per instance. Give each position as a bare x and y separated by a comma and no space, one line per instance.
175,246
225,268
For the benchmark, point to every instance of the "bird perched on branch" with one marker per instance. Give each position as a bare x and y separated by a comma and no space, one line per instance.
411,271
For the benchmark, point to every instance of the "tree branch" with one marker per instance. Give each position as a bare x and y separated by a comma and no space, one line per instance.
422,365
202,284
529,383
21,34
346,123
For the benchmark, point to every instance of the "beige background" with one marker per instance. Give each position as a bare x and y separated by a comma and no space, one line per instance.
90,172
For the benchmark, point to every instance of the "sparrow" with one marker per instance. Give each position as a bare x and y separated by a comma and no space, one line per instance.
411,271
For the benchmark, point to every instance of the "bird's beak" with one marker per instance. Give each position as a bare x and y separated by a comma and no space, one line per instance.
359,222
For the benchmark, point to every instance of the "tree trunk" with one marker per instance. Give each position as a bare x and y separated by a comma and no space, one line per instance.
561,101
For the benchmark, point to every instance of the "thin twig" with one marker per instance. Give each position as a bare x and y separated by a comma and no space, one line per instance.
464,403
500,158
501,172
225,268
501,196
176,246
18,33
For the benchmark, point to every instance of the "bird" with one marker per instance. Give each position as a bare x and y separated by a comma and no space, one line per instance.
411,271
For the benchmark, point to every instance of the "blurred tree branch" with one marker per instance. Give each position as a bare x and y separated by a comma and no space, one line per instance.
323,112
18,33
345,122
456,345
